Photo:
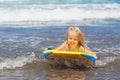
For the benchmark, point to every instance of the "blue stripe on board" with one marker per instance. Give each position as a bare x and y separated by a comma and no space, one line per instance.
46,54
89,57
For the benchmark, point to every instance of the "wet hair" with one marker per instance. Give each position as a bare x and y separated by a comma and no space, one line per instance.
79,33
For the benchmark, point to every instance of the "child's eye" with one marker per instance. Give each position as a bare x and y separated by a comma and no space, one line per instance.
75,39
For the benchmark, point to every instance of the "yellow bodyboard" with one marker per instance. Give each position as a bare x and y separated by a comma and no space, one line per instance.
49,54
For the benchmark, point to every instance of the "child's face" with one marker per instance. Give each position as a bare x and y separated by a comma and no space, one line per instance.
72,39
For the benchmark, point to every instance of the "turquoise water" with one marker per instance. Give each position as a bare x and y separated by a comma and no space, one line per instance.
38,2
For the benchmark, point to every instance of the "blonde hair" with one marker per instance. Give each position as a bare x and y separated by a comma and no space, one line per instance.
79,34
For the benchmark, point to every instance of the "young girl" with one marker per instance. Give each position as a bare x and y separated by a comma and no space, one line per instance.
74,41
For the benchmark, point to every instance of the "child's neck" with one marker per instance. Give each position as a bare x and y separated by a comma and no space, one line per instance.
73,48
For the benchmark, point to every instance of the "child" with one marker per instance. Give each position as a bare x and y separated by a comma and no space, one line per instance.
74,41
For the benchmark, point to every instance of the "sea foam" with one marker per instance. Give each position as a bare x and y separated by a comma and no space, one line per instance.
43,14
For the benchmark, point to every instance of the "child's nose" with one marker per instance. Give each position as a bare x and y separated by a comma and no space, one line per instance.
72,40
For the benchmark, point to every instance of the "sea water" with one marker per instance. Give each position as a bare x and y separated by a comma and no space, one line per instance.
27,27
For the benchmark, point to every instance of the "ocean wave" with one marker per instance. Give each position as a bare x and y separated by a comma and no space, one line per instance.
37,60
58,13
12,63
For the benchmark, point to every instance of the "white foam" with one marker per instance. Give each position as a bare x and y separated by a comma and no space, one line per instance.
105,61
16,62
58,13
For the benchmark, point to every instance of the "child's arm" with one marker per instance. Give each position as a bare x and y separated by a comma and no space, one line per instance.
91,52
61,47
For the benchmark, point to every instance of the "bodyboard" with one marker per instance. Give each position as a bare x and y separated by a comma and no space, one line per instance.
55,54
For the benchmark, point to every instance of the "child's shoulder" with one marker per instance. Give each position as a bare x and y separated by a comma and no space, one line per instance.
81,48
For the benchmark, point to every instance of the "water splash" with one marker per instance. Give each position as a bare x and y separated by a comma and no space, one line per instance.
12,63
105,61
71,63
